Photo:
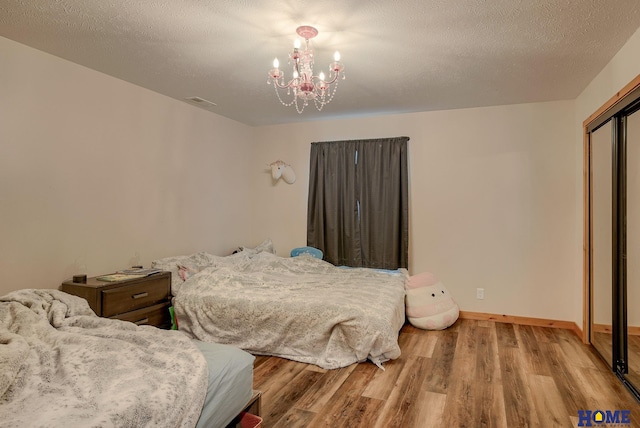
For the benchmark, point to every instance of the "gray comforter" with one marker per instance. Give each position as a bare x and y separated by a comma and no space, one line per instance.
300,308
62,366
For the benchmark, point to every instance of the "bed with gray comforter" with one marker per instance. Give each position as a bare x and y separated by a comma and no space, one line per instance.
62,366
299,308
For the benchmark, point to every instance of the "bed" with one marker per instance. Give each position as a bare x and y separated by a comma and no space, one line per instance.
299,308
61,365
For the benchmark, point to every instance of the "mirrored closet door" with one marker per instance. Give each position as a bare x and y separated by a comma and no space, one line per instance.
633,248
601,241
614,238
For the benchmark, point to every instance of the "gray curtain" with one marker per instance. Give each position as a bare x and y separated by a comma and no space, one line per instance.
358,208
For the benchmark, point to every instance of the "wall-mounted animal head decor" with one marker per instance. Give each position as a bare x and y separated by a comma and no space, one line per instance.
281,169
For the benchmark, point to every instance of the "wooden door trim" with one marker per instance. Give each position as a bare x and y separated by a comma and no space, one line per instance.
587,251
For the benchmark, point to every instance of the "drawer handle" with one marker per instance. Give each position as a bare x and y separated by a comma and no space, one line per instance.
142,321
140,295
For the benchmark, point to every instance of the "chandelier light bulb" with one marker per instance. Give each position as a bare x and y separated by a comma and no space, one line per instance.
336,56
321,76
295,74
276,63
296,43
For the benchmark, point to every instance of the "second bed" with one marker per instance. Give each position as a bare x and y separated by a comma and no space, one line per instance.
299,308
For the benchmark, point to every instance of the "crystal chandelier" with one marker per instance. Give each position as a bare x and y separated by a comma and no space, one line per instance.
304,85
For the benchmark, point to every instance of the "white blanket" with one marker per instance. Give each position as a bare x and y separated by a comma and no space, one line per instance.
62,366
299,308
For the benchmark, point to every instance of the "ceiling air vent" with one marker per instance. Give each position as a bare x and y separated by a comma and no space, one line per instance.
201,102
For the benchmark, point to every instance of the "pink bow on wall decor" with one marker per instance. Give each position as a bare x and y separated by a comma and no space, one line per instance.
281,169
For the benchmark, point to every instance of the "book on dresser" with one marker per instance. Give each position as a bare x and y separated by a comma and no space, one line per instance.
115,277
127,274
141,299
139,271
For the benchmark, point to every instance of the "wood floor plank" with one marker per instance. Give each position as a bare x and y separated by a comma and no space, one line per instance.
506,335
461,395
274,374
277,402
383,381
317,396
562,372
443,354
462,392
574,350
548,402
518,402
466,342
259,359
489,408
430,414
402,408
419,345
364,413
545,334
340,404
294,418
535,361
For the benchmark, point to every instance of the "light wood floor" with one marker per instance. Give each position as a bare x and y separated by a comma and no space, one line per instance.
474,374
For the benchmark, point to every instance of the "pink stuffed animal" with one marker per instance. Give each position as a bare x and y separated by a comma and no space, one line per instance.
429,304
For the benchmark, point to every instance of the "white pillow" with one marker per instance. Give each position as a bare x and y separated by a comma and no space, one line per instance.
266,246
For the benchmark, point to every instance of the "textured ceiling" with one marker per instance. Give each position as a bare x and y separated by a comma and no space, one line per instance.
399,56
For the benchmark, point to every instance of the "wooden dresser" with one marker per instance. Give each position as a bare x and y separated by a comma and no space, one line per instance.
143,301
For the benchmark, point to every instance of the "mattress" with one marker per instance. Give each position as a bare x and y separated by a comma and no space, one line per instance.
230,383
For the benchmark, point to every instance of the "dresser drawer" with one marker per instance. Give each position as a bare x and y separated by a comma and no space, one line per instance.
143,300
130,297
156,315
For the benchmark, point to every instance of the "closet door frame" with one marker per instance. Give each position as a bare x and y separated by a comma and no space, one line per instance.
597,118
616,111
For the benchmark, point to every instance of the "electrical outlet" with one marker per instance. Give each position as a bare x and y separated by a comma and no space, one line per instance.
480,293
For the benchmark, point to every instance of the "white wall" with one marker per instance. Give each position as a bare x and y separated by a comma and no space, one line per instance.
97,174
493,196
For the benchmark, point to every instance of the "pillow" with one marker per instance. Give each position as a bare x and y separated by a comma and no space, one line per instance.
429,304
265,246
312,251
170,264
197,261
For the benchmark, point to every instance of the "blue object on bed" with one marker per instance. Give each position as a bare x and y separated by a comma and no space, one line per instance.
230,383
313,252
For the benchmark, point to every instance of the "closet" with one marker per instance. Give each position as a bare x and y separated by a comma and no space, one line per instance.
612,149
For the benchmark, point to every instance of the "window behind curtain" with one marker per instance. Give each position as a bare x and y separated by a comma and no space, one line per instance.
358,202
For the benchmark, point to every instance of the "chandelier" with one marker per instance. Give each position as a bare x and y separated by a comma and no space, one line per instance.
304,85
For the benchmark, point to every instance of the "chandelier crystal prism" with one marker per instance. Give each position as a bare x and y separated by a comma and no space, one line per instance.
304,85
